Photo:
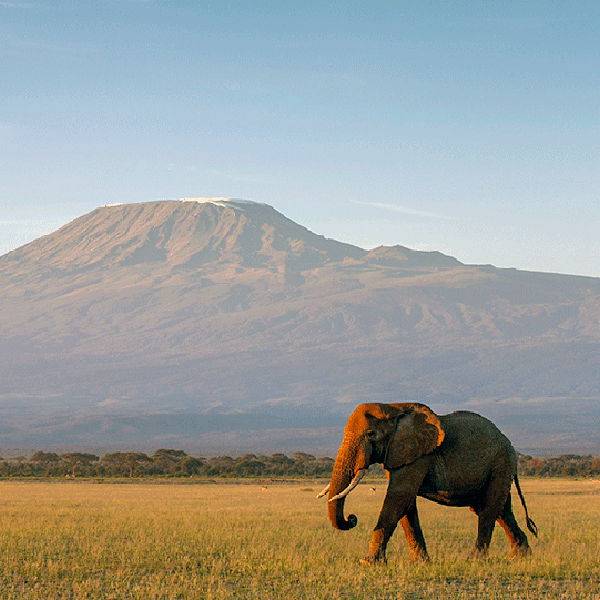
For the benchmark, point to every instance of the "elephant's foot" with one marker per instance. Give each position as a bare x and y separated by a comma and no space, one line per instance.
370,561
478,554
419,557
374,558
520,552
376,548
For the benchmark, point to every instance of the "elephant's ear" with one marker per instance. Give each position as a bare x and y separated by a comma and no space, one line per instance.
418,431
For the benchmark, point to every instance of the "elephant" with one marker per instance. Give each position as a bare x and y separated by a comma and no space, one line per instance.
460,459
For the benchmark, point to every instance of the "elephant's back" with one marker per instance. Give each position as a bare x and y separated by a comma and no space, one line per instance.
469,434
473,446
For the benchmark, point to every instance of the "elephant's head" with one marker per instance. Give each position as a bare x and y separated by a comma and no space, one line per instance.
392,434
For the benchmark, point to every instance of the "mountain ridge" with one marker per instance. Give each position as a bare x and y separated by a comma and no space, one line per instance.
227,305
217,228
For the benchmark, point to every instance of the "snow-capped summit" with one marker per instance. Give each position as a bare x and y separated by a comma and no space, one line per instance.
186,233
235,203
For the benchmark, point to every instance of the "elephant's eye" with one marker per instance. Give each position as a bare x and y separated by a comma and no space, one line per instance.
370,434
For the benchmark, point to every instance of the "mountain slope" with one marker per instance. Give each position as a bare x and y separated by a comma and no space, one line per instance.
224,305
186,234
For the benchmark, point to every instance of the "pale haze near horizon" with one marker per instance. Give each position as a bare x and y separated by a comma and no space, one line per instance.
470,128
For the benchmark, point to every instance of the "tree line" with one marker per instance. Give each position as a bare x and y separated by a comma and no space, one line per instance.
565,465
176,463
165,462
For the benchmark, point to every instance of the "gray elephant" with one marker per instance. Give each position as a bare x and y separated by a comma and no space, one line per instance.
461,459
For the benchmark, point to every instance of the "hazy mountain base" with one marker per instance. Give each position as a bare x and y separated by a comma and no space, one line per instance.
563,431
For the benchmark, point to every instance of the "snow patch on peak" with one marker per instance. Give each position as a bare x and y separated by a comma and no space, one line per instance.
229,202
235,203
203,200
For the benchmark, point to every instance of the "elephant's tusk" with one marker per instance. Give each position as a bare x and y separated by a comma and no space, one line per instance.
352,485
324,491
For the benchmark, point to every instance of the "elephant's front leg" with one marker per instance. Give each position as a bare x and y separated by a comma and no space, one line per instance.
400,503
414,534
394,508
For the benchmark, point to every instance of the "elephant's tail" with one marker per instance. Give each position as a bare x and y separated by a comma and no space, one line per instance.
530,524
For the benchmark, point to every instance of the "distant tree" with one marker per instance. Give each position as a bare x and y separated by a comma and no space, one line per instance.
534,466
167,453
164,461
280,464
78,459
249,465
45,457
126,461
569,471
303,457
189,465
220,465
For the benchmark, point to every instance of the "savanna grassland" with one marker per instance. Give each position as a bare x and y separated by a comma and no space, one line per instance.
225,541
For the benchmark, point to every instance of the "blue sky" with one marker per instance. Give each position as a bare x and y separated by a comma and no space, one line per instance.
472,128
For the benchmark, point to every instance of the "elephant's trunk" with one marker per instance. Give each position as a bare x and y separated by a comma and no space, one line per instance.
336,515
341,479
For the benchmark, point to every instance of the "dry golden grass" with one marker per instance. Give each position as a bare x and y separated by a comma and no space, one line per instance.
226,541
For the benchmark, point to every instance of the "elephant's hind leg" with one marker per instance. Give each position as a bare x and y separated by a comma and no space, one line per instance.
519,546
485,528
490,509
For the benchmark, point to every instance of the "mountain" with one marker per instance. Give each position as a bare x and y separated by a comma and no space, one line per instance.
205,307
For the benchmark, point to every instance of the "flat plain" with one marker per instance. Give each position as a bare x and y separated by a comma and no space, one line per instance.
218,541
